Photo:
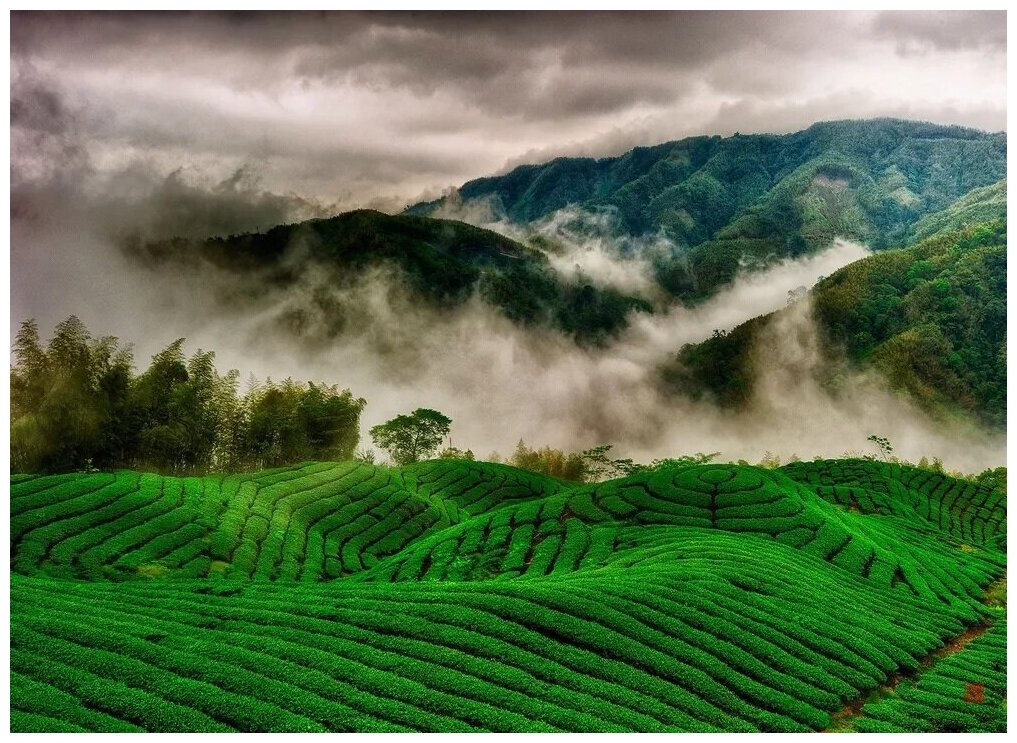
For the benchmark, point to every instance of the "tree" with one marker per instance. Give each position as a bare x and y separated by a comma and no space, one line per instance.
549,461
411,438
66,400
76,404
598,467
884,446
452,452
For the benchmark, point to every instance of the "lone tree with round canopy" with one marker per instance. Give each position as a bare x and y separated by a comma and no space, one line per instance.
411,438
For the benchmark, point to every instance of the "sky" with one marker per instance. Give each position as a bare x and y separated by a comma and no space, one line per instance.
321,112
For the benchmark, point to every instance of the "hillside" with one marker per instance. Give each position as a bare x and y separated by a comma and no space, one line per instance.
978,206
752,198
455,596
443,262
727,204
930,318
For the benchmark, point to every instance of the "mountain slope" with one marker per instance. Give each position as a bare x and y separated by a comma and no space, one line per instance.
479,597
930,318
756,197
978,206
443,262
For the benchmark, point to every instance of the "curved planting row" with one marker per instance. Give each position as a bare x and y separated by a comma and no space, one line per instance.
965,691
973,513
646,519
453,596
314,522
478,487
451,520
718,640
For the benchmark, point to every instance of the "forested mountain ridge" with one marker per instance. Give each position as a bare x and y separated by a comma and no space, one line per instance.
442,261
757,197
726,204
930,318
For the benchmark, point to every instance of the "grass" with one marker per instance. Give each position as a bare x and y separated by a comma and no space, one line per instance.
462,596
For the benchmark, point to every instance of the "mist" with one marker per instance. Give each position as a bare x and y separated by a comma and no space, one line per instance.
582,246
499,382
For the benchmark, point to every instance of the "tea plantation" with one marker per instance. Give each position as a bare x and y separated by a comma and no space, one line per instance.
463,596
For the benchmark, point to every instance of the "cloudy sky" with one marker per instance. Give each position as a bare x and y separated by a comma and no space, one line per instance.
338,110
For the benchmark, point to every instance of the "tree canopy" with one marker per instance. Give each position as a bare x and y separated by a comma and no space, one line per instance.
931,318
77,404
413,437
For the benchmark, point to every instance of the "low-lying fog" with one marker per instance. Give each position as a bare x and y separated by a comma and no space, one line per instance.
497,381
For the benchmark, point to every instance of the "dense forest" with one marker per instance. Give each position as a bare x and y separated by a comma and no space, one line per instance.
443,262
77,404
753,198
930,318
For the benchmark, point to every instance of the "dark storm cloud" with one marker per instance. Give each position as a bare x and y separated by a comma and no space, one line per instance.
947,30
352,107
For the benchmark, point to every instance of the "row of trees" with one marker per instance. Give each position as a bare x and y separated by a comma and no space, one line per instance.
77,404
590,465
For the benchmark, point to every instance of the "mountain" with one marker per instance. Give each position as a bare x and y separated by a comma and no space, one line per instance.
980,205
442,261
726,204
462,596
752,198
930,318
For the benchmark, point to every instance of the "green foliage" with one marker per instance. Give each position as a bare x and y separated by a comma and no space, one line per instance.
686,460
978,206
994,478
599,467
931,318
590,465
452,452
462,596
77,405
412,437
292,422
964,691
721,368
68,400
549,461
765,197
443,262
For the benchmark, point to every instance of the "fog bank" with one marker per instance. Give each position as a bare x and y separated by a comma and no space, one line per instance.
500,382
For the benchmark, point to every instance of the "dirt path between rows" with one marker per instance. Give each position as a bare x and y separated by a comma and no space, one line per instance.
841,720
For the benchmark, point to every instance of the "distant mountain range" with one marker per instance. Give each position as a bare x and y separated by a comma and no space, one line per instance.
930,317
752,198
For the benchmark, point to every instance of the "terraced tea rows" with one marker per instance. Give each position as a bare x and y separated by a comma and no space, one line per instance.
466,596
314,522
963,691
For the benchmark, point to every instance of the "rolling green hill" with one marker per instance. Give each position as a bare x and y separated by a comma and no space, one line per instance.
443,262
930,318
758,197
463,596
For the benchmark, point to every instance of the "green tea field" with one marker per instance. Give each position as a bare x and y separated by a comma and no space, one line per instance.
466,596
